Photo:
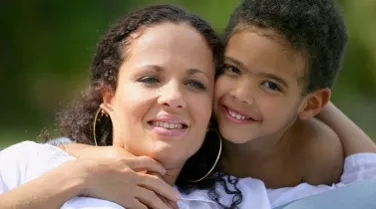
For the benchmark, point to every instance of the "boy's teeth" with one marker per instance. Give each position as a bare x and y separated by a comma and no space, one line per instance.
237,116
167,125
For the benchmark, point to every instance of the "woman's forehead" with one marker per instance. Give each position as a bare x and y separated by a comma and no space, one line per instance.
171,44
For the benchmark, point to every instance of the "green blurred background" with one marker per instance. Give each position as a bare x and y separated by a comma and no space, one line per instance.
46,48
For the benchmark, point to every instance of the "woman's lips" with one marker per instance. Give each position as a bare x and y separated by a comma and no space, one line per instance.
168,128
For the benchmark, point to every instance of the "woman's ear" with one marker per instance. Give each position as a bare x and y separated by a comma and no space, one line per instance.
107,108
108,97
314,103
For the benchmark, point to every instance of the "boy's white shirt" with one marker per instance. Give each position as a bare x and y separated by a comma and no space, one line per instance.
28,160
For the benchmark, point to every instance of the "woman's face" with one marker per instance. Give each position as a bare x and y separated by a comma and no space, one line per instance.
163,101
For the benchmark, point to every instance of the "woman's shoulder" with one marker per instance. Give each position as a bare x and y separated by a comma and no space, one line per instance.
24,145
27,160
29,150
22,151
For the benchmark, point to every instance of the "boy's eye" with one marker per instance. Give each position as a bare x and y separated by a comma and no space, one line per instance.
271,85
231,69
196,85
148,79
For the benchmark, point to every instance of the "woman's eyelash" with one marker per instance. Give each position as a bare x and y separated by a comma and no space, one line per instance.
196,84
148,79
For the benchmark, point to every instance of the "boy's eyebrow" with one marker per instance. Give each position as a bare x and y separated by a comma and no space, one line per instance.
235,61
262,74
274,77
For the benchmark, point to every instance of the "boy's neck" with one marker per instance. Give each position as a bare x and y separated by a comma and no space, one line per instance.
266,149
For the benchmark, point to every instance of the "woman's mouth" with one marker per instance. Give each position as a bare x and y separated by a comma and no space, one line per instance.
167,125
163,128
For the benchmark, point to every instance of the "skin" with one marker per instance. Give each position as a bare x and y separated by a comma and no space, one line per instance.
162,79
353,139
265,115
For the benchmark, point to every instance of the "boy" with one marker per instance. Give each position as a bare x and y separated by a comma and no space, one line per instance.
281,60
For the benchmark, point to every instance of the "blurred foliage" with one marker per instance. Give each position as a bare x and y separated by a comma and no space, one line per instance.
46,48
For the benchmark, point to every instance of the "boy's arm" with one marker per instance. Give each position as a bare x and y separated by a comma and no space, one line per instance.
86,151
40,193
353,139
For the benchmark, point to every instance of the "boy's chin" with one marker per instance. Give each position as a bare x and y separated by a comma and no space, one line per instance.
237,137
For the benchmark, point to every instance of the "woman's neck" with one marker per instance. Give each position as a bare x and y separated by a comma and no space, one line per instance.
170,176
173,168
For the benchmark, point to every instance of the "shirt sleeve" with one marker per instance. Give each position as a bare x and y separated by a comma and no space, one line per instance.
90,203
3,186
13,165
60,140
26,161
360,166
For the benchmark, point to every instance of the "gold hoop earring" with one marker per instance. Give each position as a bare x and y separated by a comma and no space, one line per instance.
216,160
100,110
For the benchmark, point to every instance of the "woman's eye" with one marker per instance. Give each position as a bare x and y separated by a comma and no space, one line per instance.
231,69
271,85
148,80
196,85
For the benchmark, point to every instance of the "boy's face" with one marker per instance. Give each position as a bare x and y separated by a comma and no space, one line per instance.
260,92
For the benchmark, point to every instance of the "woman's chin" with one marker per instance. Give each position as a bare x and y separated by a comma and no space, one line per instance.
165,153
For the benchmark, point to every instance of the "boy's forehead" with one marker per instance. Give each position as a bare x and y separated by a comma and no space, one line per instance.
243,34
270,33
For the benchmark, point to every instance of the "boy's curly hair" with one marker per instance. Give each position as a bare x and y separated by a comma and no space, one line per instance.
312,26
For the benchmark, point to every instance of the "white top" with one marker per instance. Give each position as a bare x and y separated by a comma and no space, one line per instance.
26,161
357,167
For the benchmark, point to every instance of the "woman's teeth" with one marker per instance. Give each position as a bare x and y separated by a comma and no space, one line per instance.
237,116
167,125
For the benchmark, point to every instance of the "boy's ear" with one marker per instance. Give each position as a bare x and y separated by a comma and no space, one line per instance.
314,103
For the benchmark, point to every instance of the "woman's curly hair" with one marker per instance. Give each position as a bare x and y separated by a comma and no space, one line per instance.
76,121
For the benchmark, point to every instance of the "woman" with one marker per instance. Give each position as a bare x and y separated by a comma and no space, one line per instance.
151,93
